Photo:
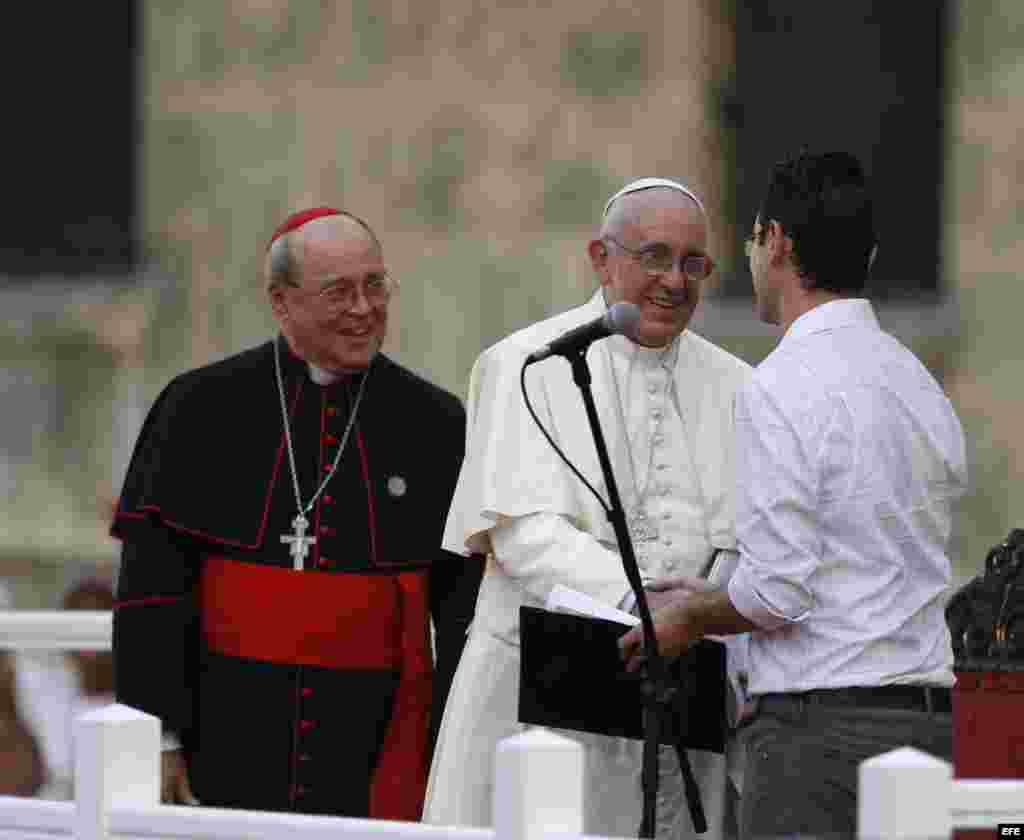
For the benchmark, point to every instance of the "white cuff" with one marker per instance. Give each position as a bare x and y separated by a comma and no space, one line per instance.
628,603
726,561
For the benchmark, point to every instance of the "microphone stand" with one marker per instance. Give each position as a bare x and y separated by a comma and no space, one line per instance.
657,689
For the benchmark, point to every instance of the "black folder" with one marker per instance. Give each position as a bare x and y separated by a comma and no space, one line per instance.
571,677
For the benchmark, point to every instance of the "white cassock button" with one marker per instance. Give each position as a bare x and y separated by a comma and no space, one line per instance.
397,485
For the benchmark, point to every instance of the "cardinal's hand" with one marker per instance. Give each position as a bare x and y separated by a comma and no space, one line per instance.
174,785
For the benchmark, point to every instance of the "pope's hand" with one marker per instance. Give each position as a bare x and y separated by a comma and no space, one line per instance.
673,628
666,591
681,585
174,785
656,598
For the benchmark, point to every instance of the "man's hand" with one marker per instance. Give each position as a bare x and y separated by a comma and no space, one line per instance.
666,598
674,629
174,785
696,609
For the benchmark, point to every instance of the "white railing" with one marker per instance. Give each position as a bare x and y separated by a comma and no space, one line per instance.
117,788
903,795
54,630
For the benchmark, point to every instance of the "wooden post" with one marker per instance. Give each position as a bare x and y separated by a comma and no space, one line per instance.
117,762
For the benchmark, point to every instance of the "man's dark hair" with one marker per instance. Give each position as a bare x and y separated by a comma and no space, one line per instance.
823,204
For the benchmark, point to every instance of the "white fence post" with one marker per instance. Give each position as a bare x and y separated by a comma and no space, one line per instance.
117,762
538,786
904,795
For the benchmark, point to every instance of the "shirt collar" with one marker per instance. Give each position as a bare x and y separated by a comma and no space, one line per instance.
836,314
292,364
323,377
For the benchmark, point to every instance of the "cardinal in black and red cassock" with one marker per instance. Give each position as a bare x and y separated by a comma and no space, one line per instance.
292,666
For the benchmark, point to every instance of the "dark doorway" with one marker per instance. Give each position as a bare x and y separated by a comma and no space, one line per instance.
865,76
69,186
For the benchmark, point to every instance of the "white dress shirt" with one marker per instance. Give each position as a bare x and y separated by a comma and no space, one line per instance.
849,459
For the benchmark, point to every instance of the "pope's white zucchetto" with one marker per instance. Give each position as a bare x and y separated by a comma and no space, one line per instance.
650,183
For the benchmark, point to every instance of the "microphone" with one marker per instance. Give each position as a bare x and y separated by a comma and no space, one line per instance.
620,319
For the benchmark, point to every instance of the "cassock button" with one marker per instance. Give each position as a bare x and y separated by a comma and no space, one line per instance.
397,486
323,562
305,725
328,500
330,439
327,530
306,691
331,410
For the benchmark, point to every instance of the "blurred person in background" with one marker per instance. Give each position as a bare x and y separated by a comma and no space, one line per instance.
281,524
21,761
53,691
849,459
665,398
94,670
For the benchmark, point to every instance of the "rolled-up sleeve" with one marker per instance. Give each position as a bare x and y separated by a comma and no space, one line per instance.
776,500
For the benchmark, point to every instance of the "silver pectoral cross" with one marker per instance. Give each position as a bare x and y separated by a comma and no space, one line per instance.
299,543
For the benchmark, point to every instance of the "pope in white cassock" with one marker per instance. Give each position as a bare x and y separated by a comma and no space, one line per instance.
665,399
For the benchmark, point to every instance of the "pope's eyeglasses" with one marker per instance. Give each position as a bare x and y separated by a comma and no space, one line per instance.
658,259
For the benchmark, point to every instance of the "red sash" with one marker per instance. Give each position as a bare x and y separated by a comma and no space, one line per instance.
272,614
337,620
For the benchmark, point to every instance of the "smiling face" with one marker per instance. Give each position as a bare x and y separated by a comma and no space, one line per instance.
327,253
652,221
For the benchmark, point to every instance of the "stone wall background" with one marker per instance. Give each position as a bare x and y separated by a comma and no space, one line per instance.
480,140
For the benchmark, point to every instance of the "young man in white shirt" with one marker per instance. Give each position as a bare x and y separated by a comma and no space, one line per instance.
849,458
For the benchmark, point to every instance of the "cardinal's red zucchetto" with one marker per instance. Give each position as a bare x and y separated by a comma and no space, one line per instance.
297,220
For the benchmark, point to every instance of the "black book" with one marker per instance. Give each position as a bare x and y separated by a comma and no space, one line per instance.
571,677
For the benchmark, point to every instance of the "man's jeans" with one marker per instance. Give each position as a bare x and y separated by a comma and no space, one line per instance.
802,759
